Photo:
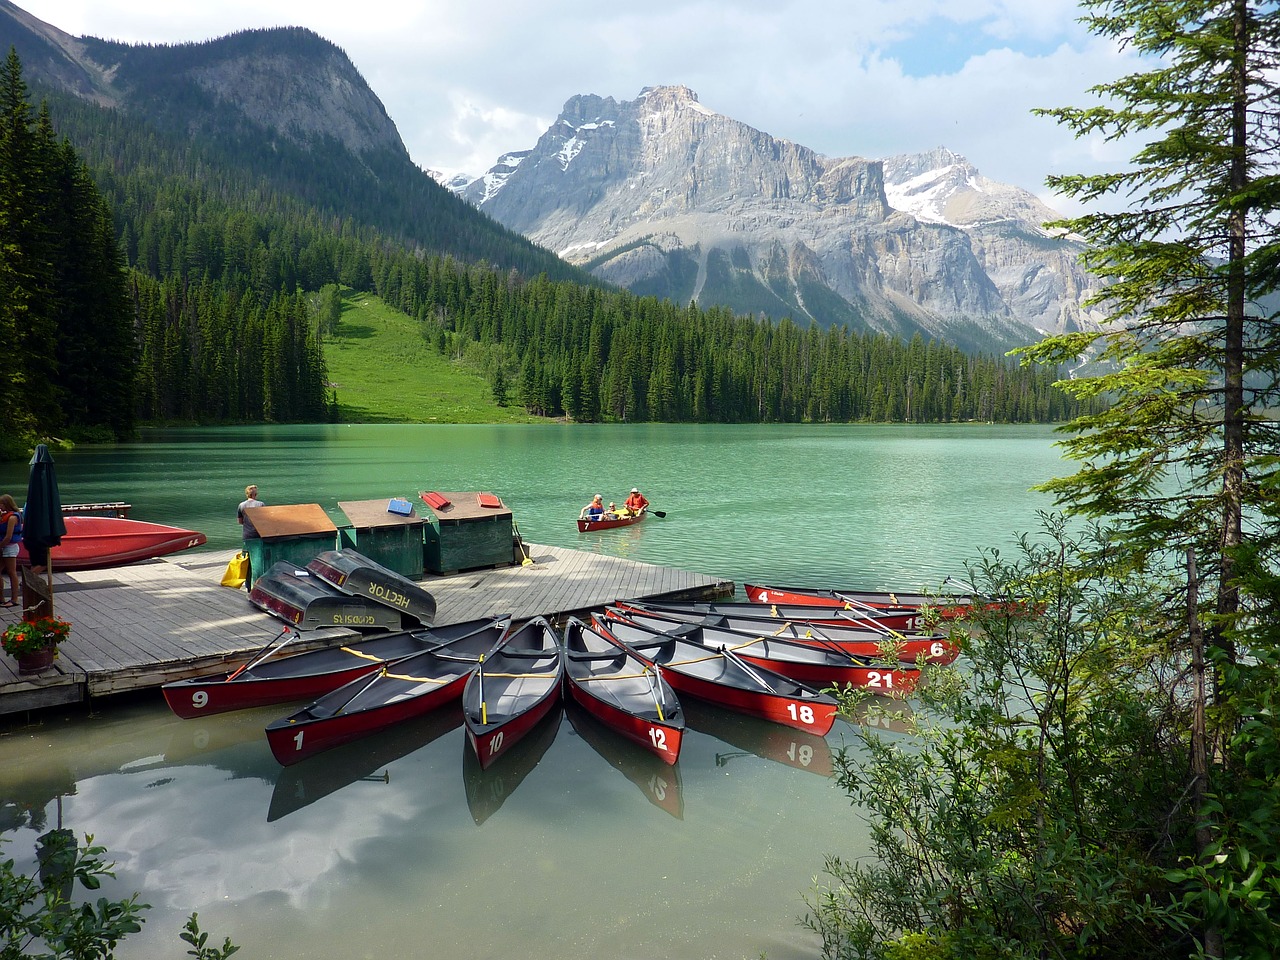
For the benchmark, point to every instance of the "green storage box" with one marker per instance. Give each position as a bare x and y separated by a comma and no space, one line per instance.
464,535
392,539
295,533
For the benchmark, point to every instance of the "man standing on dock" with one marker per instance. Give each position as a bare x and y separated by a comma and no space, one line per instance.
246,525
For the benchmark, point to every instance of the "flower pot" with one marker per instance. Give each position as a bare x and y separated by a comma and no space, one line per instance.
36,662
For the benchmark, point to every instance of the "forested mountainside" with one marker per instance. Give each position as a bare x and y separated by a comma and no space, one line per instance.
228,225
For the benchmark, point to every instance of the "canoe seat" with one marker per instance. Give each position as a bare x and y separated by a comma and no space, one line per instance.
526,654
592,657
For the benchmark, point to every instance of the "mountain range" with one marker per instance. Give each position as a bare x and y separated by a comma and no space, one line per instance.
664,196
659,195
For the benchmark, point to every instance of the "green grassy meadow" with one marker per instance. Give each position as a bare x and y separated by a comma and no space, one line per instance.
385,372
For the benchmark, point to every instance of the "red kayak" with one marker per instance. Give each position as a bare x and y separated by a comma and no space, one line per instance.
723,677
817,666
622,691
586,525
512,688
94,542
871,602
863,638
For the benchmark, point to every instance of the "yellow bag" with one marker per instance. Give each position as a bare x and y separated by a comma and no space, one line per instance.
237,571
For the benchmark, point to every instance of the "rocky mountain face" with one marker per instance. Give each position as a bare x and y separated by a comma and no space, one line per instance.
666,197
289,81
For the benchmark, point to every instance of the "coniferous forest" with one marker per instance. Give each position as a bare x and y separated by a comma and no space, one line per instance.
150,274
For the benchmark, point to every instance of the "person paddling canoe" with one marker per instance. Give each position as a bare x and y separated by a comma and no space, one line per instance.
636,504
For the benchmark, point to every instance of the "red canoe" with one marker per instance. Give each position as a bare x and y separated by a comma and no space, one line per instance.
513,688
860,638
622,691
816,666
93,542
910,621
586,525
724,678
871,602
396,691
305,676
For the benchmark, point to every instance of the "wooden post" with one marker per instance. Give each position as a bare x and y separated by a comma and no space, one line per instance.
37,595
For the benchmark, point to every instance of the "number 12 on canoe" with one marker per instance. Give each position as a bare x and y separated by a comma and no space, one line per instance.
658,737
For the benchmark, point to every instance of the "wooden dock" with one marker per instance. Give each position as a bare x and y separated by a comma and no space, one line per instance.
143,625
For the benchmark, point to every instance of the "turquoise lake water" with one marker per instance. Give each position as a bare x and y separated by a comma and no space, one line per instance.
578,848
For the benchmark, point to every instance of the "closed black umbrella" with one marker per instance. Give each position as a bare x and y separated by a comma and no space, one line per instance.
42,523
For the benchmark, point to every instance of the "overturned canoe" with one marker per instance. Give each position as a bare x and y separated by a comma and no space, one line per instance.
354,574
307,602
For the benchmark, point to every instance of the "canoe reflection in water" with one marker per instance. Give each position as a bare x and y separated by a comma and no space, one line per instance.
884,713
658,781
365,761
487,788
753,736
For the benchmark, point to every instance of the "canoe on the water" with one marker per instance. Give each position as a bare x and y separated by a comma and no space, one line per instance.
622,691
586,525
725,678
817,666
859,638
908,622
305,676
396,691
947,607
512,688
91,543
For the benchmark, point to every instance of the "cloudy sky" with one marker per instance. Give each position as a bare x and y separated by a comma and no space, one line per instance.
465,82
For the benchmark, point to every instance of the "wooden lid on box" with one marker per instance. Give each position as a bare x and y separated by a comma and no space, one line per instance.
290,520
466,506
374,513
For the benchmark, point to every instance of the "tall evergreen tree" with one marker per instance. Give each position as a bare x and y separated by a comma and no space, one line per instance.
1191,354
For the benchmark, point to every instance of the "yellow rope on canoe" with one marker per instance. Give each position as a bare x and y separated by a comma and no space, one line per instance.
362,656
405,676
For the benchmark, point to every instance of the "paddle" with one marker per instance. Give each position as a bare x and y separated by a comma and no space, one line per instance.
660,514
528,560
734,658
870,613
484,707
288,635
655,690
826,643
377,674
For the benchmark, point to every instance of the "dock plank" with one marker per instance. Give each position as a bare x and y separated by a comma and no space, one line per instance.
144,625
